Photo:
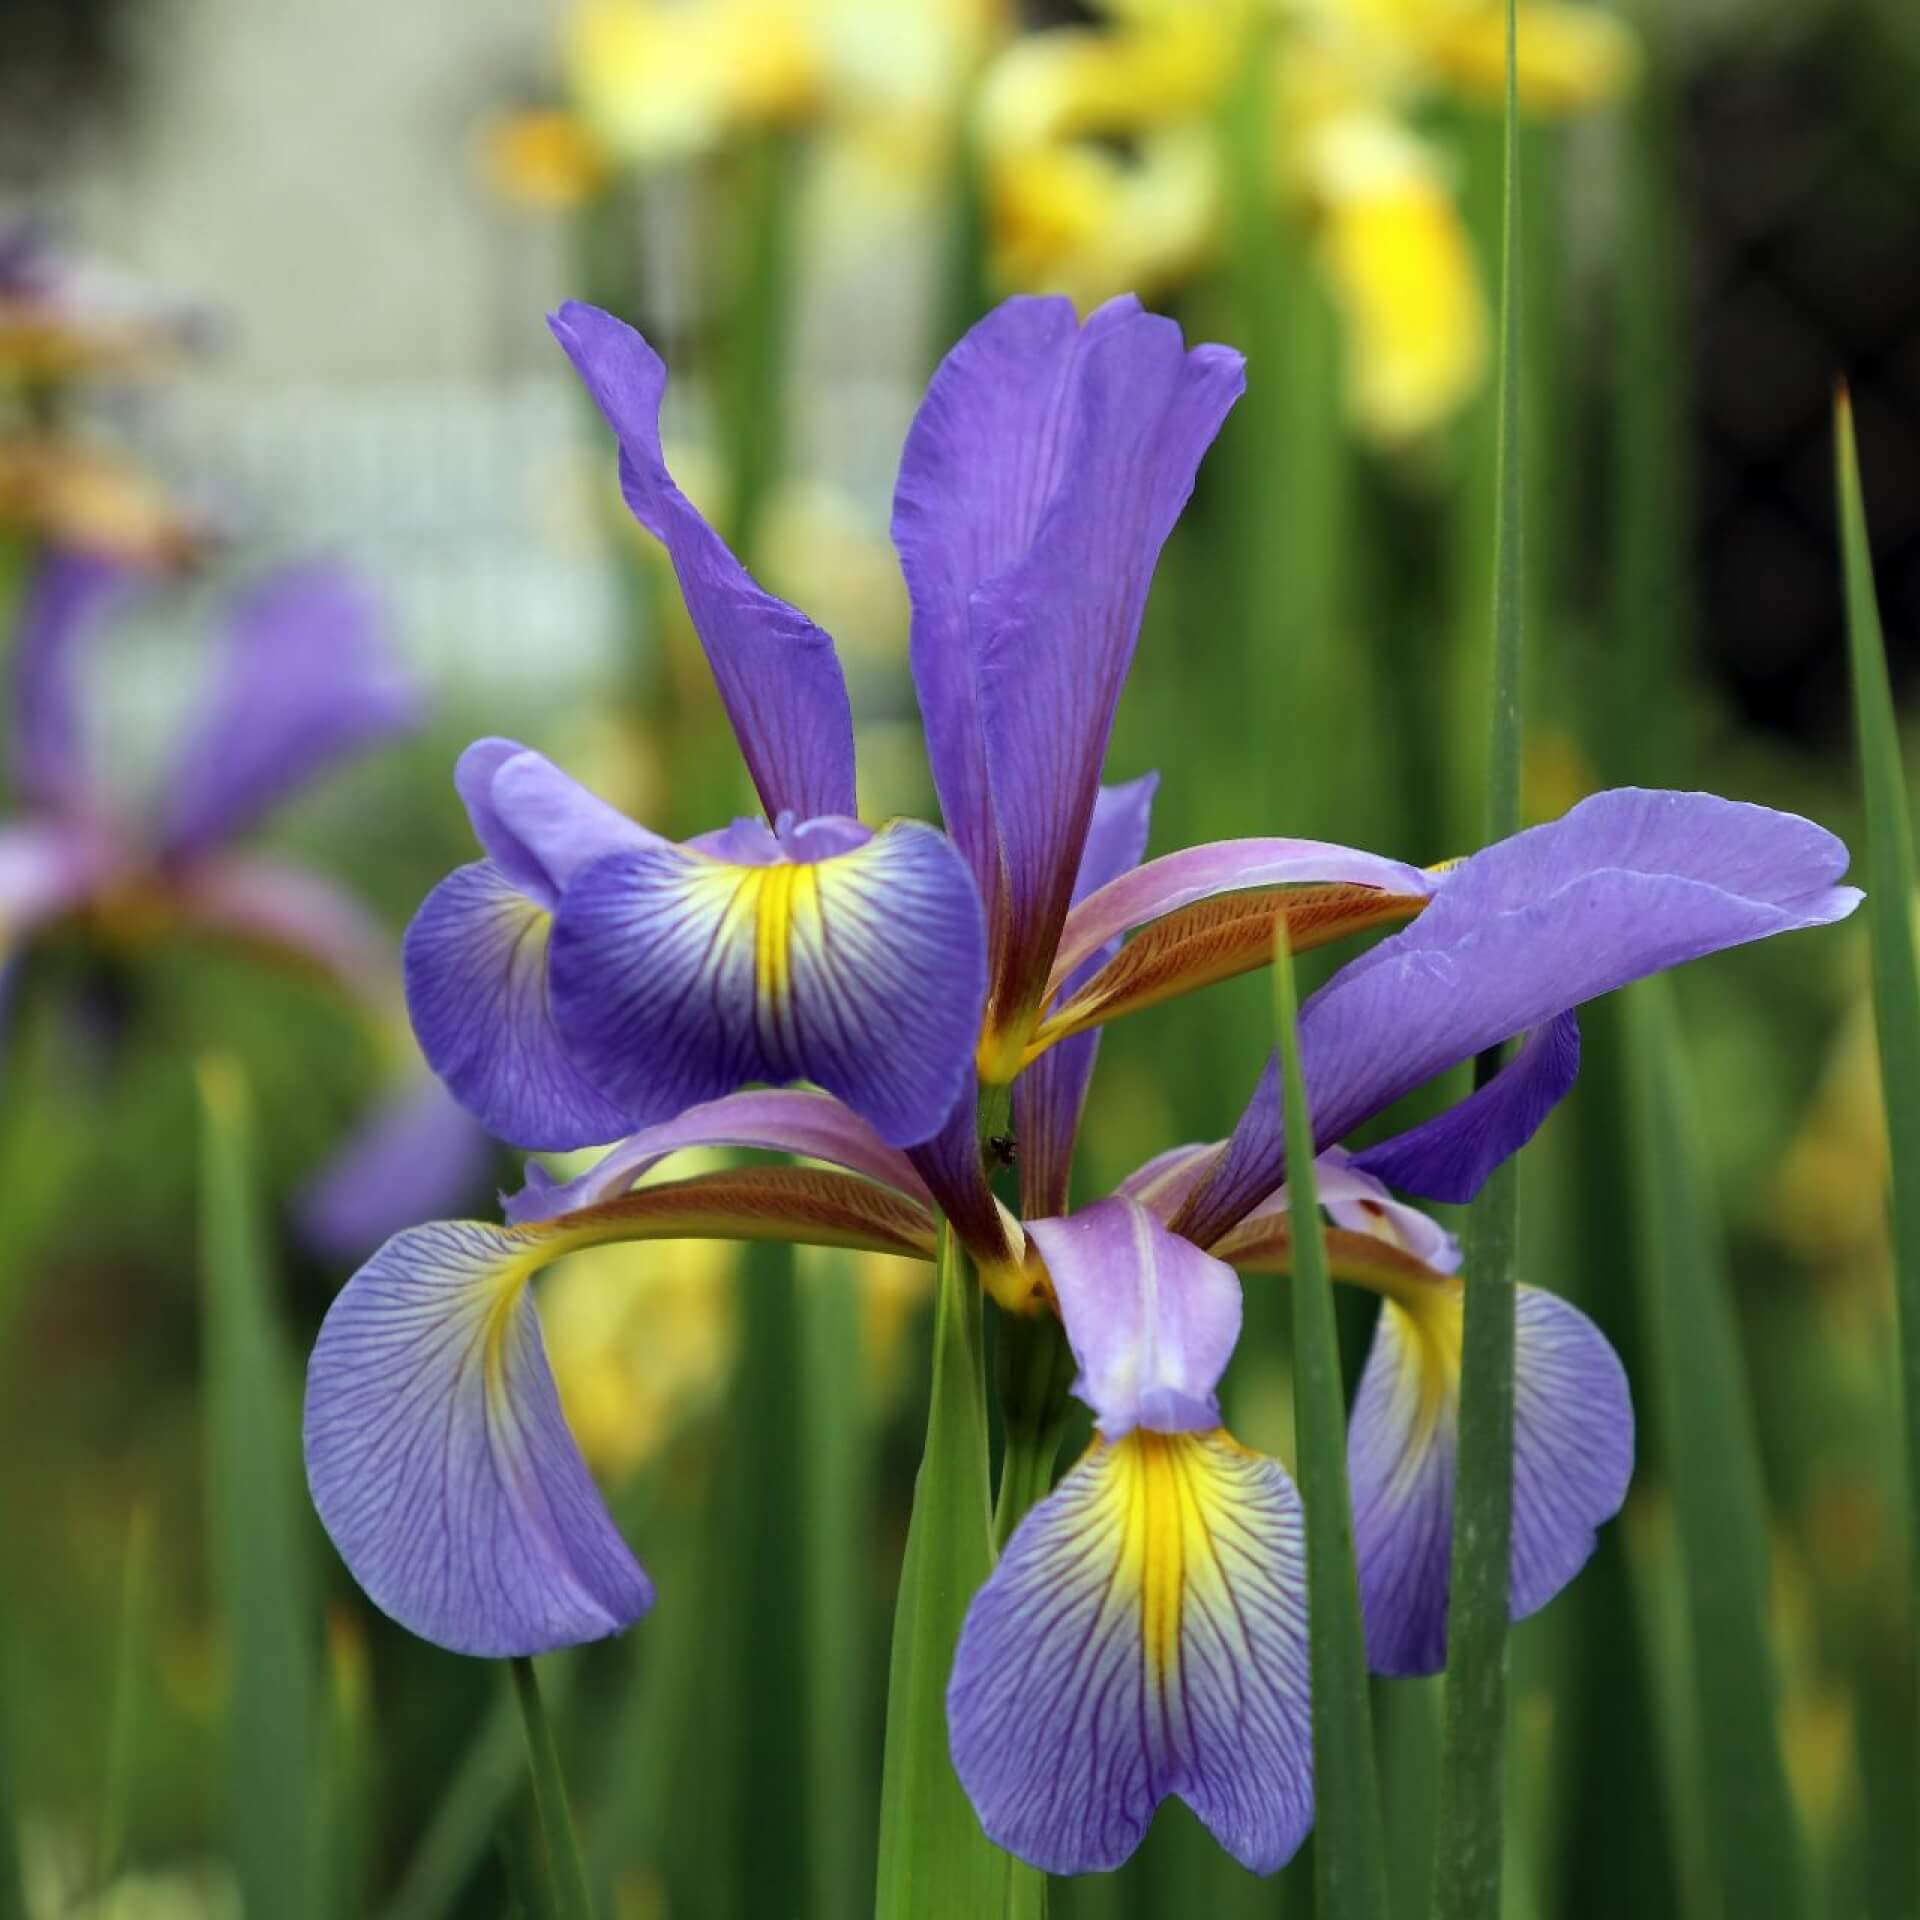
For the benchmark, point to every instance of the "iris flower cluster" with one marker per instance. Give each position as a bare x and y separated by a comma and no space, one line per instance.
805,982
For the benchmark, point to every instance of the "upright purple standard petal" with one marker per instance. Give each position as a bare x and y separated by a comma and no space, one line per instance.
1049,1096
1144,1634
777,672
681,977
303,682
1573,1458
439,1459
1055,636
476,954
69,595
1628,883
1042,473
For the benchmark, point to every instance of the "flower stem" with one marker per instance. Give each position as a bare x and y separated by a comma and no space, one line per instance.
1036,1367
571,1900
935,1863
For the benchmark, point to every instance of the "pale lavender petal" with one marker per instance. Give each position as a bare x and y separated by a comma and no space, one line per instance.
440,1461
421,1156
479,997
1627,884
303,681
681,978
69,596
294,915
814,1125
539,826
44,871
1163,1183
1573,1458
1144,1634
1180,879
1151,1319
1450,1156
1055,636
1049,1096
777,672
1355,1198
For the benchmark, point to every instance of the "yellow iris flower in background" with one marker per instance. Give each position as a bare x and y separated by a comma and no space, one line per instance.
1104,160
651,82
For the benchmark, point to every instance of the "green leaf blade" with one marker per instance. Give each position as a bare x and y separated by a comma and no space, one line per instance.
1710,1452
259,1520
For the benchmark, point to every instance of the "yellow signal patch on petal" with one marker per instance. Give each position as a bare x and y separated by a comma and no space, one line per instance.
1143,1635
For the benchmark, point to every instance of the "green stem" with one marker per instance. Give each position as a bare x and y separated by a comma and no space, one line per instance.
934,1862
1036,1369
571,1900
757,412
1467,1867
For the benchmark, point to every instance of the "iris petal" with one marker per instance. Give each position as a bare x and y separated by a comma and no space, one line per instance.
684,977
70,594
1573,1458
1144,1634
777,672
441,1464
477,992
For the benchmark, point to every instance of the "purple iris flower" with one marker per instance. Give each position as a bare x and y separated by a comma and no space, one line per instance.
1144,1634
302,681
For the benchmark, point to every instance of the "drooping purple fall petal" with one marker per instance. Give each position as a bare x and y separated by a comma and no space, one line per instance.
1144,1634
1573,1458
682,977
69,595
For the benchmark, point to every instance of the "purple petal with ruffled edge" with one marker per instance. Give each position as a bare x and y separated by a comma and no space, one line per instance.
683,978
1055,636
303,681
813,1125
440,1461
69,596
538,825
1627,884
1193,874
1451,1156
1049,1096
476,954
1573,1458
1144,1634
478,994
421,1156
1151,1319
777,672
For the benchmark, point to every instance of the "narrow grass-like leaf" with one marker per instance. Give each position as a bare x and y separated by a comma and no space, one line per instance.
13,1886
131,1656
1349,1845
1896,968
935,1863
567,1889
762,311
1710,1455
1469,1848
258,1513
